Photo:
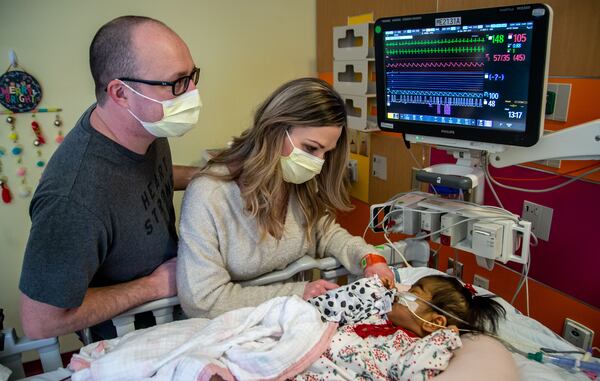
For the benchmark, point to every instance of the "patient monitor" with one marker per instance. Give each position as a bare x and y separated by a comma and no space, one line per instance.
473,82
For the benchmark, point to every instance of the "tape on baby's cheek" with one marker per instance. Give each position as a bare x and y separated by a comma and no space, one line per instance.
402,287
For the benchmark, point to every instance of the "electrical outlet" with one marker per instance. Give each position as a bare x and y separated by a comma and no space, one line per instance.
578,334
482,282
540,217
455,269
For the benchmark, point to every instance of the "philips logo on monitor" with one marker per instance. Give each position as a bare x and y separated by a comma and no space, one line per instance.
448,21
449,132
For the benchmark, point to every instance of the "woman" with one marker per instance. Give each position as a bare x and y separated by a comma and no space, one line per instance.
268,200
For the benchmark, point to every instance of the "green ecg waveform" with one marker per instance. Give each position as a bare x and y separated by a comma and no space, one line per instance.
465,49
472,40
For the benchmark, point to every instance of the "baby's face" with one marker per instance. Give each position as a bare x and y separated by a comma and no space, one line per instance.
401,316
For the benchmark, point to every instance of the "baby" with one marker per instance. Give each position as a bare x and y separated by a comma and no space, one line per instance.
405,333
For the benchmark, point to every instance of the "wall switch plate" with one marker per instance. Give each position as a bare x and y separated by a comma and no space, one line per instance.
540,217
578,334
482,282
379,167
455,269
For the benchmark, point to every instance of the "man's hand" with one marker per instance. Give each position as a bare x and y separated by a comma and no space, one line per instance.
182,175
41,320
318,287
163,279
382,270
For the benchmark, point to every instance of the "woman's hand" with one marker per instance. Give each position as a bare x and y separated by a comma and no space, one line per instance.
383,271
316,288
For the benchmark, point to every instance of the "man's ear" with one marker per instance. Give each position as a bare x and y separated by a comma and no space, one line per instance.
437,320
115,90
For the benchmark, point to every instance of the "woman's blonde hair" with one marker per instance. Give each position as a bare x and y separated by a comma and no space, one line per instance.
253,158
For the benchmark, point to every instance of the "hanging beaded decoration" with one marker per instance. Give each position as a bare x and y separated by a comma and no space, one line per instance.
6,196
59,135
17,151
38,142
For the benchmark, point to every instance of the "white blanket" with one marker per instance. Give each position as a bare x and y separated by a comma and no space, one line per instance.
273,341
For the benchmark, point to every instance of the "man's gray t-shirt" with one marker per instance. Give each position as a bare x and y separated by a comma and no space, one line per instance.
101,215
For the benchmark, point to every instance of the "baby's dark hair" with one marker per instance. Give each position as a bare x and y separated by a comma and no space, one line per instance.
482,312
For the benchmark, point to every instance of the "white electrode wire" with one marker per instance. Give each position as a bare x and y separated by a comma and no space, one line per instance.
519,283
371,220
396,250
489,207
493,190
502,340
486,170
527,288
466,220
489,182
524,280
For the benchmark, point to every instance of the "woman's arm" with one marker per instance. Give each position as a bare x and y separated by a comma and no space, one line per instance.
480,358
335,241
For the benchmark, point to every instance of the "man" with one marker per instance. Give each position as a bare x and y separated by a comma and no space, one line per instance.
103,236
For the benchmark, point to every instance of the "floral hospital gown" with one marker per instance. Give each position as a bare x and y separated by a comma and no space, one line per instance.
381,351
369,347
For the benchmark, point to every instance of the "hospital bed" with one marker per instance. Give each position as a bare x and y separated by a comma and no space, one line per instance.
468,363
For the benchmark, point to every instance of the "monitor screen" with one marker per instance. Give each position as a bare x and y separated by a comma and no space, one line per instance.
476,75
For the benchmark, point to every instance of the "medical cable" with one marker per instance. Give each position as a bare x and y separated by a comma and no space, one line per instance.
489,182
565,362
479,208
525,279
392,200
394,249
550,350
494,218
492,189
560,174
409,296
486,171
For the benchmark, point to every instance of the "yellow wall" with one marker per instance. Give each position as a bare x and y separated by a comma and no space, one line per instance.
244,48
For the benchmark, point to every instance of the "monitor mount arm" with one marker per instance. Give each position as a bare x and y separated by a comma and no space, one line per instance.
581,142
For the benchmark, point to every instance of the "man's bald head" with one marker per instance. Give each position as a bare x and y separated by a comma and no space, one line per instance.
113,50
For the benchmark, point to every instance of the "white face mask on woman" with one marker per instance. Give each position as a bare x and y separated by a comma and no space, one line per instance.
180,114
300,166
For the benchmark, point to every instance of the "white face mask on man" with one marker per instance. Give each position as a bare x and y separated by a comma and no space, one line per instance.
180,114
300,166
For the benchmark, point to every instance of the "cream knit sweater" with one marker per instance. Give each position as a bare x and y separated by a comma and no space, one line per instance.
220,246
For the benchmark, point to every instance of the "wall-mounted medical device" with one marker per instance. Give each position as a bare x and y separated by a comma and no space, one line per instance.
490,233
475,75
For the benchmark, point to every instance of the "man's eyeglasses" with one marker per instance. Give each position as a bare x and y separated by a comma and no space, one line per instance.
178,87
